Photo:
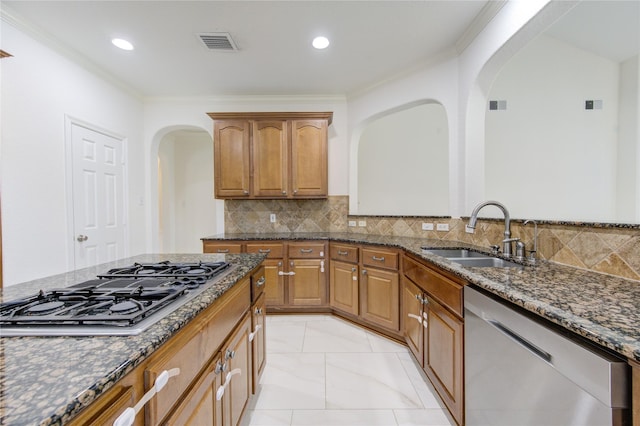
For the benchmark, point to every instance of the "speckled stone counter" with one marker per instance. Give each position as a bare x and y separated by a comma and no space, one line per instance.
601,308
47,380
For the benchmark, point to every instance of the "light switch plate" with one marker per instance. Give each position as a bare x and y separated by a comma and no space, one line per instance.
362,223
442,227
352,223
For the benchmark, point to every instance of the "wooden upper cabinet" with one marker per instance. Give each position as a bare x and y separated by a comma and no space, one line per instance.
270,144
309,158
271,155
231,158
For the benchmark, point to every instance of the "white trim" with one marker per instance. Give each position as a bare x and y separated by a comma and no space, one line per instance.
70,121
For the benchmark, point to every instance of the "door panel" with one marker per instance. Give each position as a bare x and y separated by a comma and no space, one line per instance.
98,190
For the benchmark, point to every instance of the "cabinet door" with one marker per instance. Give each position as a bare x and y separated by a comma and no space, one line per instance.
200,406
238,379
270,159
308,283
274,287
380,298
231,158
443,356
343,287
309,158
258,340
412,318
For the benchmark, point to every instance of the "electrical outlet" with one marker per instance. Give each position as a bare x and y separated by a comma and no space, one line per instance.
442,227
272,218
362,223
352,223
427,226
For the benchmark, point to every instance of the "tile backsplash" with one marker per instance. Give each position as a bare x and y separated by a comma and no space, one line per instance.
611,250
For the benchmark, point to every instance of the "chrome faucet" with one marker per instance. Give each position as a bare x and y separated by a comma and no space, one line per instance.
533,253
506,242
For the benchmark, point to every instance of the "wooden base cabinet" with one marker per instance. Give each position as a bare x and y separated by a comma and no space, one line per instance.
434,329
258,339
239,379
343,287
379,298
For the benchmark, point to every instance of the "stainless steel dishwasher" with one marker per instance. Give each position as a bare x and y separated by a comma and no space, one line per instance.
519,370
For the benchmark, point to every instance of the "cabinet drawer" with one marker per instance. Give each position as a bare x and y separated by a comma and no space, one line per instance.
272,250
306,250
258,281
441,288
216,247
380,258
344,253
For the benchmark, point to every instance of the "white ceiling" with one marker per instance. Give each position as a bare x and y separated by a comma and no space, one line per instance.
371,41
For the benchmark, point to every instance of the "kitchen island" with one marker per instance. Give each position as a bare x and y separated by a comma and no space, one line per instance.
49,380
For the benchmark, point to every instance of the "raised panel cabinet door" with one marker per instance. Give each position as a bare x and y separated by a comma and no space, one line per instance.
231,159
443,351
270,143
309,158
308,283
380,298
343,287
238,375
274,286
201,406
412,318
258,339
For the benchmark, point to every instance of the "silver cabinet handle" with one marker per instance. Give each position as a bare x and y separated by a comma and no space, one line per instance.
306,250
379,259
415,317
286,273
261,282
223,250
342,253
82,238
264,250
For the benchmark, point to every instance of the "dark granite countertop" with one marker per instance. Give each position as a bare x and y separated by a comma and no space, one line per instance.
47,380
602,308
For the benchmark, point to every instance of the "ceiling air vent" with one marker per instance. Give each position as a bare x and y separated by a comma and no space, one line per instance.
218,41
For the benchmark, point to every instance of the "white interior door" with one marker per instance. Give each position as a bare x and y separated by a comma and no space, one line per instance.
98,197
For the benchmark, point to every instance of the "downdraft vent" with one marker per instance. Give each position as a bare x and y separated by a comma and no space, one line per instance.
218,41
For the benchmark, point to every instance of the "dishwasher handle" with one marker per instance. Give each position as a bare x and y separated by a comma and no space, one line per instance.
540,353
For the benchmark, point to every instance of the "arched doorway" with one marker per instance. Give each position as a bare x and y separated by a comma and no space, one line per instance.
186,207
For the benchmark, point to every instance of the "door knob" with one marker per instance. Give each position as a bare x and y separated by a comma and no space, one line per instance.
82,238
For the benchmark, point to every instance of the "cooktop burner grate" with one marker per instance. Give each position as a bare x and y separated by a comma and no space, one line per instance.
120,299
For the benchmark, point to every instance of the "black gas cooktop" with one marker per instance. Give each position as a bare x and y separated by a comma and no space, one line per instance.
122,301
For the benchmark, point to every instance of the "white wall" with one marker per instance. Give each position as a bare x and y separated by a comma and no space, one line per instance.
628,178
39,89
400,155
545,139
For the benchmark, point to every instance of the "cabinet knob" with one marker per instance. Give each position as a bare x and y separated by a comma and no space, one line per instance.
295,191
284,192
229,354
245,192
82,238
353,269
364,272
261,282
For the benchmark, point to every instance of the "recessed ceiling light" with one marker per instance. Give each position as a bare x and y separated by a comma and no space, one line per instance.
122,44
320,42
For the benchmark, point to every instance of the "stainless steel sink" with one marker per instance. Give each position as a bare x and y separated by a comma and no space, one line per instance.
454,253
470,258
486,262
